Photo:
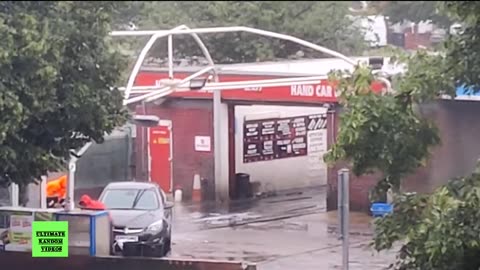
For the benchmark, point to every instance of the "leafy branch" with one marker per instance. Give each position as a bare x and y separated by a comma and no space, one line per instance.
374,136
58,71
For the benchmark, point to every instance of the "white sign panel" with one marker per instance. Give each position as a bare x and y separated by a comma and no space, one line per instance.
317,147
203,144
19,234
317,142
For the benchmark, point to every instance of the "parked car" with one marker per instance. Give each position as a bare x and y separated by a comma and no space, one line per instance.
141,218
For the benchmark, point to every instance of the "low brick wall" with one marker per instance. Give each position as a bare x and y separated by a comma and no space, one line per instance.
455,156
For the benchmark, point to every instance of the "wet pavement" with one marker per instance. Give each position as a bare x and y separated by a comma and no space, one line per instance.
285,232
292,231
207,216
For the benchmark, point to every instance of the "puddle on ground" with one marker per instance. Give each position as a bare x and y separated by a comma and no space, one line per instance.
281,225
336,231
252,258
227,220
289,200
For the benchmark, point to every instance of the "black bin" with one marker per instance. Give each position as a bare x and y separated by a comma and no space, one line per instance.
243,186
206,189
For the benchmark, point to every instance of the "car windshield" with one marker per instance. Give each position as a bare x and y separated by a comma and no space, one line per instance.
131,199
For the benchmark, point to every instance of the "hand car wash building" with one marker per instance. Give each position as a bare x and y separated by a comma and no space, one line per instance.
277,134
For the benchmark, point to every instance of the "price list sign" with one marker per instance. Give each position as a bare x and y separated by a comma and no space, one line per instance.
258,142
269,139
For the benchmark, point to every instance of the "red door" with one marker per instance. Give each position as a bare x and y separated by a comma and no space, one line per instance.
160,156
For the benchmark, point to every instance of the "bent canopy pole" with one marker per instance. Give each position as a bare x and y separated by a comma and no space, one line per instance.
148,46
168,89
232,85
140,59
241,83
194,32
154,96
202,46
239,29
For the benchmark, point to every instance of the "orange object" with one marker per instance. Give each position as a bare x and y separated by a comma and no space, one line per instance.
88,203
197,191
57,187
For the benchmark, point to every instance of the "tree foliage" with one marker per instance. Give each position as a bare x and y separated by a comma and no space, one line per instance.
437,231
325,23
380,133
413,11
58,68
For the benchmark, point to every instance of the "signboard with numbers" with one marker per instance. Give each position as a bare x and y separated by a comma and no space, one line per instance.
16,226
279,138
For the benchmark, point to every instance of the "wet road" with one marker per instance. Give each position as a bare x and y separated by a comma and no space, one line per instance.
263,233
278,233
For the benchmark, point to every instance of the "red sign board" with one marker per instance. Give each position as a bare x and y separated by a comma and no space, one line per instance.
302,93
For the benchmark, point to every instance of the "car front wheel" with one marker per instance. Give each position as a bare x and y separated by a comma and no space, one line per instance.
167,247
162,249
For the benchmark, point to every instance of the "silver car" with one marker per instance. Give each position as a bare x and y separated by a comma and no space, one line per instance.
141,217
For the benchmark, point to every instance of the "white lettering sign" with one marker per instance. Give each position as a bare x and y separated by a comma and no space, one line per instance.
253,89
302,90
309,90
202,144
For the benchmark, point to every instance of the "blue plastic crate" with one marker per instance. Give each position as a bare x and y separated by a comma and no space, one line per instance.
381,209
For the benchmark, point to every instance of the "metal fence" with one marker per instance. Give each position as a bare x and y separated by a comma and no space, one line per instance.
106,162
102,163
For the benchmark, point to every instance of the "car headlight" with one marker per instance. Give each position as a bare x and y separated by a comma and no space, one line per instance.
156,226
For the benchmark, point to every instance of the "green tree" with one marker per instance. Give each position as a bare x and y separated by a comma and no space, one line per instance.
58,70
438,231
325,23
414,11
375,136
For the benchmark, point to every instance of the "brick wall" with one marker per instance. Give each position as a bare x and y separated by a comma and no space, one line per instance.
189,119
456,156
412,41
460,148
359,186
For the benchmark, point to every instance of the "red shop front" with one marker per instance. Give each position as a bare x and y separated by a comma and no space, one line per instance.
189,115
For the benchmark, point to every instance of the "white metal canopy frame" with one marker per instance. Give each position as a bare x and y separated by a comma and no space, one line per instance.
151,93
168,86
